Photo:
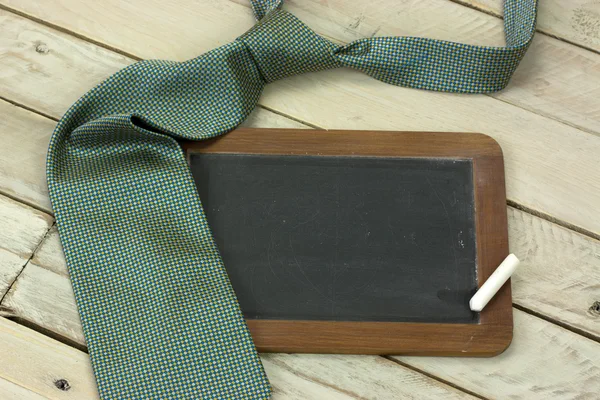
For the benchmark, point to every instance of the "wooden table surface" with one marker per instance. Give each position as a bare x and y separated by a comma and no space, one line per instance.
547,122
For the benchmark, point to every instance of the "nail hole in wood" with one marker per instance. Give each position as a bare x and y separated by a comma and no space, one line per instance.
62,384
42,48
595,308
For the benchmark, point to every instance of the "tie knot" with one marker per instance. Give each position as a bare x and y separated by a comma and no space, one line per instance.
282,45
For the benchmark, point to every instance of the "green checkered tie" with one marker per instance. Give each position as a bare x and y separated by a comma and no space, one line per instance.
159,314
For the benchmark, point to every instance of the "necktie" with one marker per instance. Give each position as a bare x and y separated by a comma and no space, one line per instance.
159,315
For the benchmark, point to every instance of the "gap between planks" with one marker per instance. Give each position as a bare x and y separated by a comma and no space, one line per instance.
559,323
565,217
553,220
516,205
549,116
323,383
44,331
23,106
538,30
509,202
316,381
298,120
437,378
340,42
68,32
29,259
27,203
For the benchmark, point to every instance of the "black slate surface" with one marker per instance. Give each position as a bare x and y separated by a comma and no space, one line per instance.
343,238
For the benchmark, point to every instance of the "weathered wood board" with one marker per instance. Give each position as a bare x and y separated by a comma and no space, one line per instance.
576,21
547,121
347,99
21,231
43,297
34,366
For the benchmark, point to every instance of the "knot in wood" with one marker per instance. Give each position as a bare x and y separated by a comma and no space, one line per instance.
62,384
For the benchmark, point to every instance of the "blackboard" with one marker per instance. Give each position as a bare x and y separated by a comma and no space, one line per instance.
343,237
359,241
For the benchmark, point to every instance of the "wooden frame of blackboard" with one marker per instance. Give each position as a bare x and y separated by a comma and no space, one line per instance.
490,336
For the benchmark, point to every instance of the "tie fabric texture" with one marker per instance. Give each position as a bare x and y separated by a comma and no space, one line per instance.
159,315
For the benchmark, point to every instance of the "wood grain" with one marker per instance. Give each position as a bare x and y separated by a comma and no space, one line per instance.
549,167
532,335
287,385
25,138
576,21
559,274
570,304
494,331
491,227
10,266
543,362
45,299
363,377
35,362
347,99
9,390
349,142
552,80
25,143
21,230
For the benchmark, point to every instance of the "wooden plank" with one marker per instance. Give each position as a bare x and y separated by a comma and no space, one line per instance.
356,377
43,296
22,227
350,100
544,361
577,21
9,390
45,299
347,99
25,143
35,363
25,138
201,25
559,273
557,278
530,237
21,230
364,377
287,385
555,79
10,267
36,59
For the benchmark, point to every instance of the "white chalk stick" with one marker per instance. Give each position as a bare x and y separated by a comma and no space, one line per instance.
490,287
